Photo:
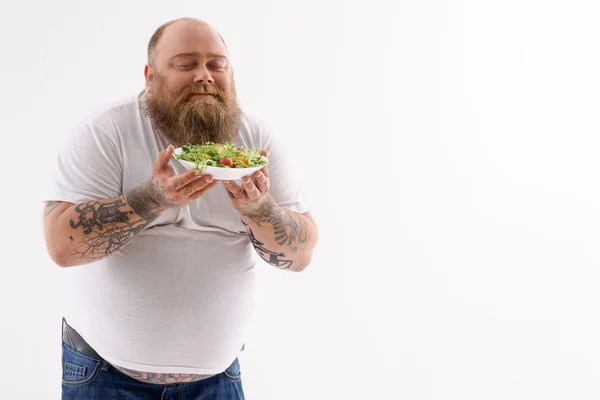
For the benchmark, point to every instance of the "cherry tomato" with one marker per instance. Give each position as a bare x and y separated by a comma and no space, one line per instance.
226,161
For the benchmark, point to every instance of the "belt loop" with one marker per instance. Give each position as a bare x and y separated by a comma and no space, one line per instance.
105,365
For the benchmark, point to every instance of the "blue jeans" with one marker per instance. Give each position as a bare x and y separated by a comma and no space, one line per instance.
85,378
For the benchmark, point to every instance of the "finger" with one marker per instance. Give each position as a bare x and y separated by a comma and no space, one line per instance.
250,188
234,189
204,190
162,161
262,182
265,169
168,153
195,186
181,180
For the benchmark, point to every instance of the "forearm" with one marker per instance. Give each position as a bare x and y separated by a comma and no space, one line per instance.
282,238
93,230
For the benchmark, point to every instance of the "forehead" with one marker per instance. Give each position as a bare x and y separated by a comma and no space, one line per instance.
189,37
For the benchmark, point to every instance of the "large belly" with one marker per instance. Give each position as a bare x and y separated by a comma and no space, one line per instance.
171,297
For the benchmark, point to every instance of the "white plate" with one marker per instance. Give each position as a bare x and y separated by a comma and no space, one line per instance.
219,173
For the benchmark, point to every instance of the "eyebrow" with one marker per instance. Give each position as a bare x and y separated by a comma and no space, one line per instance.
198,54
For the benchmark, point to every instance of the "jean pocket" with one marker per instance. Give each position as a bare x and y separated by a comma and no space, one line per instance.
233,372
73,372
78,369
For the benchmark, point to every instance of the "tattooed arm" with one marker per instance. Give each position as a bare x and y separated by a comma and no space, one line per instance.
282,238
78,234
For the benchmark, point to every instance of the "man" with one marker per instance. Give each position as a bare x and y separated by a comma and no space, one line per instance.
161,289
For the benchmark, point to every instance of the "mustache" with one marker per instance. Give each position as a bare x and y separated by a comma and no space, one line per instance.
189,91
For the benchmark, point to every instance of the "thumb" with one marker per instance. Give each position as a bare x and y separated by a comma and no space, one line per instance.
162,161
168,153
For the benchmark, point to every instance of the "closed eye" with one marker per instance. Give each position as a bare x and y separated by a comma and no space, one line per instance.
218,67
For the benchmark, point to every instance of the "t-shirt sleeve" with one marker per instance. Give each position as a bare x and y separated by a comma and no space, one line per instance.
286,188
88,166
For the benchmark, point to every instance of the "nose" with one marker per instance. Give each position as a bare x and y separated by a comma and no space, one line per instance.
203,76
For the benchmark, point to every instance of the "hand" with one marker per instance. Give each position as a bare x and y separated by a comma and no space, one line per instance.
178,190
252,193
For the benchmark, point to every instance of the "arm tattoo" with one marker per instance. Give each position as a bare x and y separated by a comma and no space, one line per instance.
93,214
273,258
287,231
51,205
109,225
106,226
159,378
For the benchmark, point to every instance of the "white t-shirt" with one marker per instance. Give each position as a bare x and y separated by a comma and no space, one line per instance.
178,297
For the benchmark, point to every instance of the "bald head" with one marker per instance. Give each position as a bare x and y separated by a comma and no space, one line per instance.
181,25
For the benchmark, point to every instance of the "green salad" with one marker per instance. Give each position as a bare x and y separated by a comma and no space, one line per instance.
221,155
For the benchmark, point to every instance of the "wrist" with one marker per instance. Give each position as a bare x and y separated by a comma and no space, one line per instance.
149,200
259,208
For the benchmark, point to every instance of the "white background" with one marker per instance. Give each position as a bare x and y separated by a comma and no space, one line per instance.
450,152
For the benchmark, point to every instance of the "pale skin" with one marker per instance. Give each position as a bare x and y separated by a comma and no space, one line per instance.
189,52
78,234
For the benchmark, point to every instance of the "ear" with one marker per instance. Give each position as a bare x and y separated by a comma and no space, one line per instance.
148,77
148,74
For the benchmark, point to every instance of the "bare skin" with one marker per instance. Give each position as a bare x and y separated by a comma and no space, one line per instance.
160,379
